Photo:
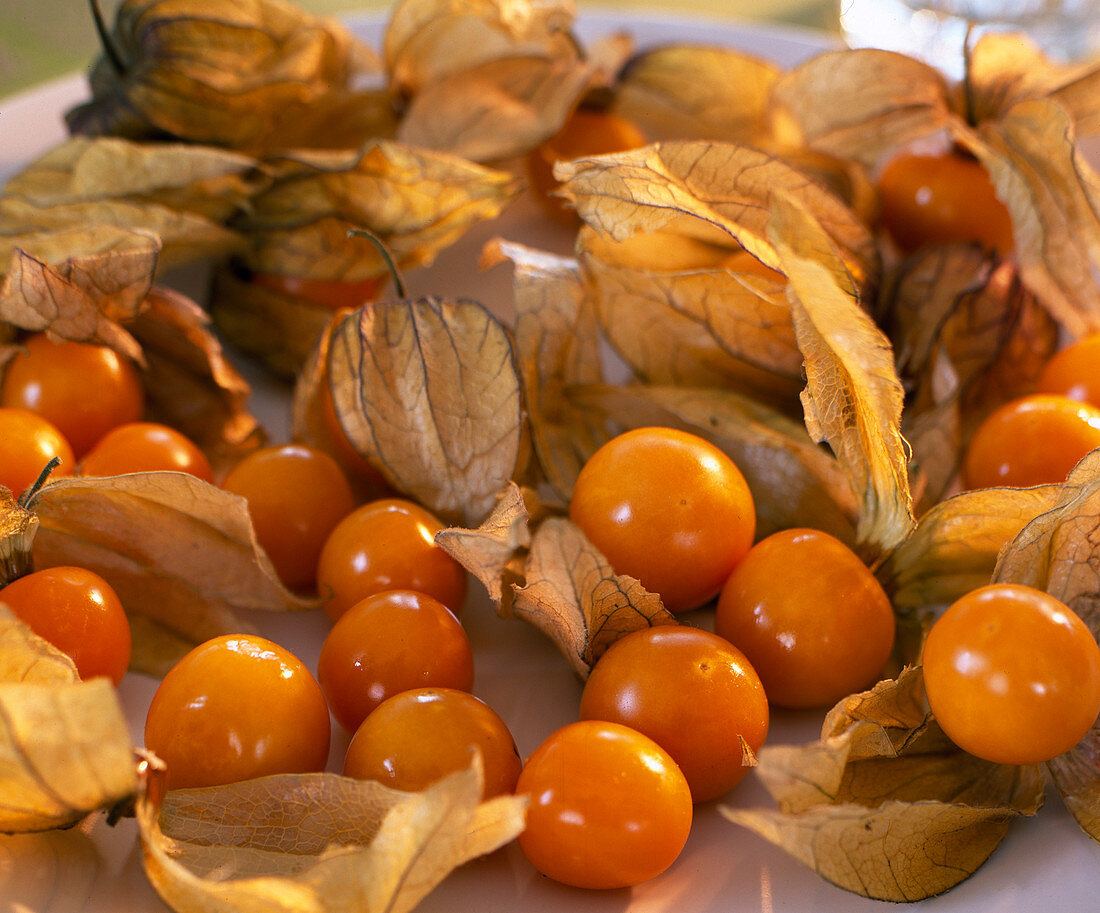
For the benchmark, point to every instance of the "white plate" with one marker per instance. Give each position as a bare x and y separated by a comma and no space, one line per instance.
1045,864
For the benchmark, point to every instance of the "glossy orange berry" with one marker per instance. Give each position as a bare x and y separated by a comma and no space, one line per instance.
609,807
668,508
83,389
810,616
237,707
1074,371
938,199
387,544
1012,674
1031,440
145,447
296,496
27,444
692,692
416,737
78,612
391,642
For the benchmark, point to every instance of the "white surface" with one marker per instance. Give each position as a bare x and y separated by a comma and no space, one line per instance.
1046,864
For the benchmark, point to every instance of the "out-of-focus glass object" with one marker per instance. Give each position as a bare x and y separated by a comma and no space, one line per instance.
936,30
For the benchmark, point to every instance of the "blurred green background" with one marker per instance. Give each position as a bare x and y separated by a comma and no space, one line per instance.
41,39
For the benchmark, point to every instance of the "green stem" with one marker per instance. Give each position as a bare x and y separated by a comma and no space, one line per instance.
30,493
398,283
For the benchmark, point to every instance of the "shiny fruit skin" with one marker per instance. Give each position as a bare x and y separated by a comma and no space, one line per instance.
1012,675
692,692
78,612
1074,371
145,447
391,642
388,544
940,199
586,132
1031,440
666,507
810,616
609,807
336,294
296,496
237,707
27,443
416,737
82,388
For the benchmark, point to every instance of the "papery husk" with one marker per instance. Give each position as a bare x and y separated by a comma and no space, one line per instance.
955,545
181,194
883,805
558,349
1004,68
254,75
64,744
497,111
697,92
317,842
718,326
495,552
860,104
719,193
969,337
413,201
1053,196
853,398
177,550
189,382
80,284
572,595
428,392
428,40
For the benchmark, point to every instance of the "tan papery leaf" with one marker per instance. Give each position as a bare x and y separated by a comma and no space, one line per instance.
80,284
318,842
710,191
794,482
954,547
557,346
174,548
1053,197
853,398
859,103
573,596
498,110
428,391
697,92
246,74
968,337
26,657
428,40
209,182
416,201
184,236
64,744
189,382
883,805
677,317
1008,67
492,551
